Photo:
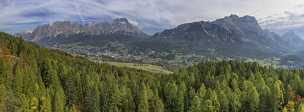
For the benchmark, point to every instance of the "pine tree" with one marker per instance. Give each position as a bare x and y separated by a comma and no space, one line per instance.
224,102
92,100
211,104
45,104
170,92
73,108
181,97
128,104
143,105
157,104
195,105
202,91
300,108
235,103
250,97
277,96
34,104
59,99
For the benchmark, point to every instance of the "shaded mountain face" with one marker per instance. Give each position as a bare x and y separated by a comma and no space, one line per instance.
294,59
117,26
232,34
293,39
230,29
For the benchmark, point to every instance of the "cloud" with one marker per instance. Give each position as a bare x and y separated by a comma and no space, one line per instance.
17,15
291,18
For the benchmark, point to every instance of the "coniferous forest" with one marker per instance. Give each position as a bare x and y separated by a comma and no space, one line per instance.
34,79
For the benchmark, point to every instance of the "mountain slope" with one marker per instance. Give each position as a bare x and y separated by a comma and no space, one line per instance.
241,36
38,79
35,79
293,40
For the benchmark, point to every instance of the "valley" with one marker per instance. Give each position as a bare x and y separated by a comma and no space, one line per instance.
151,56
229,64
231,37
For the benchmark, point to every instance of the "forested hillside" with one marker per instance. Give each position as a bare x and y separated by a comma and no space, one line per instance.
34,79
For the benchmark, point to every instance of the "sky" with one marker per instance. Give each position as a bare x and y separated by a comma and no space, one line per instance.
150,15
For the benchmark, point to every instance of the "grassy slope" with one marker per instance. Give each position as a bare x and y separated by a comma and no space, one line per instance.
145,67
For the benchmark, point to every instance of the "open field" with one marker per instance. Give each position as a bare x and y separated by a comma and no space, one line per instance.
146,67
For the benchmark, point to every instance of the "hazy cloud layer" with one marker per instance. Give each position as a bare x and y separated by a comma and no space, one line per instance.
289,19
17,15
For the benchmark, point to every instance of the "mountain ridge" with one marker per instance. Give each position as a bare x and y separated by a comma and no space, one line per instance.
119,25
231,36
228,31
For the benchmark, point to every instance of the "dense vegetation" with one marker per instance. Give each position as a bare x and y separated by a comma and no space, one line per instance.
35,79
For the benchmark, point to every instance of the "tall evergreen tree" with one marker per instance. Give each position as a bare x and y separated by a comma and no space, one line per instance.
195,105
143,105
250,97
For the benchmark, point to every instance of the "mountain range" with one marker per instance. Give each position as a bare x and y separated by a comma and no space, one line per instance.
117,26
231,36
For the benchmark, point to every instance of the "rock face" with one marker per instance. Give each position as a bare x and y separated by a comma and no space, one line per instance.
231,28
120,25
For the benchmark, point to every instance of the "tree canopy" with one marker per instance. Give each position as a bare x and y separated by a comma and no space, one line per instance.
34,79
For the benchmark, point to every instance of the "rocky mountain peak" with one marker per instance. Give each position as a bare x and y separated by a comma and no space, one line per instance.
61,23
119,25
121,21
249,19
230,28
123,25
245,22
232,17
236,18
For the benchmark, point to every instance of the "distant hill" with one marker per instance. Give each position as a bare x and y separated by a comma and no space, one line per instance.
294,40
